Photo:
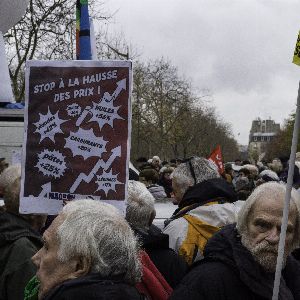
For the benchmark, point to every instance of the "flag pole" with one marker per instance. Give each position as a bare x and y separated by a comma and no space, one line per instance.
83,42
287,201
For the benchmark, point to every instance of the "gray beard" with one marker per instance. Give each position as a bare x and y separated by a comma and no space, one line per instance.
264,253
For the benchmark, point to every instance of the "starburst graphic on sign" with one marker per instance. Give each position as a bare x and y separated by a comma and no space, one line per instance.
49,125
73,110
85,143
105,113
51,163
107,181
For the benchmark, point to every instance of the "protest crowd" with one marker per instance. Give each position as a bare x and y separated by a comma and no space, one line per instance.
78,219
221,242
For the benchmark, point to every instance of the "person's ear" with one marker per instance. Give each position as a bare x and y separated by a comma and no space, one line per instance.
81,266
152,217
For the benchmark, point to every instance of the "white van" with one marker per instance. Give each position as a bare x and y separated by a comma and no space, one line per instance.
11,134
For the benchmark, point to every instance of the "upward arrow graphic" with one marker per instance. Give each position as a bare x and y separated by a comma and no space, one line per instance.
46,188
116,152
121,85
84,113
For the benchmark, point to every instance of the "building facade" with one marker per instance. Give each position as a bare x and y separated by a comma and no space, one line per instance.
262,132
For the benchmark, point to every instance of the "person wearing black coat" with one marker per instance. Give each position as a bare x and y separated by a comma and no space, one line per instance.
232,274
166,260
140,213
19,239
94,287
230,271
89,252
18,243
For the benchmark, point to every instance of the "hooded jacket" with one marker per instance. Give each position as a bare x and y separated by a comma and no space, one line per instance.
18,243
166,260
229,271
204,209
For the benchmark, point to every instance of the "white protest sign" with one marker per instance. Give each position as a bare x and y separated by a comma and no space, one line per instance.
77,131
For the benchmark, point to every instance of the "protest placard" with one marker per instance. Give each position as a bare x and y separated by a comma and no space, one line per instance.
77,133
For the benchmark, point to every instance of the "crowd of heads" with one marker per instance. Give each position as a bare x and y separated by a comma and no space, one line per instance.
180,174
90,236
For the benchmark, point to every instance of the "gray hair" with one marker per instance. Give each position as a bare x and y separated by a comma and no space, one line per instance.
10,184
156,158
9,175
204,169
252,169
140,206
97,231
268,190
270,174
11,196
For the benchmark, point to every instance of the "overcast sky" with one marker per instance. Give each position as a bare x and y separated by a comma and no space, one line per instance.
240,50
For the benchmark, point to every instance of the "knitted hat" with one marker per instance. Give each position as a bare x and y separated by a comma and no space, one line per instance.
268,175
202,168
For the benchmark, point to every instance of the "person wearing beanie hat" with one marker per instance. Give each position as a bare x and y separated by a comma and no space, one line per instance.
266,176
206,202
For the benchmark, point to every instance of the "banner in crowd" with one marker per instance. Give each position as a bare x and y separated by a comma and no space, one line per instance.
216,157
77,130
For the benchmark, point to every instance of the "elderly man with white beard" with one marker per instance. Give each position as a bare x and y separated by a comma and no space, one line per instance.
240,260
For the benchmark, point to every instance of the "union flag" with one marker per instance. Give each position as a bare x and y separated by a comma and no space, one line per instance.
216,157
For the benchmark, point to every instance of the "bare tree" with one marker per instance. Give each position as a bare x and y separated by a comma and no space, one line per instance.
160,95
170,119
114,46
46,31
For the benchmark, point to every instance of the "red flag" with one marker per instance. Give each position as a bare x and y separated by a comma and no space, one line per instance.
216,157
